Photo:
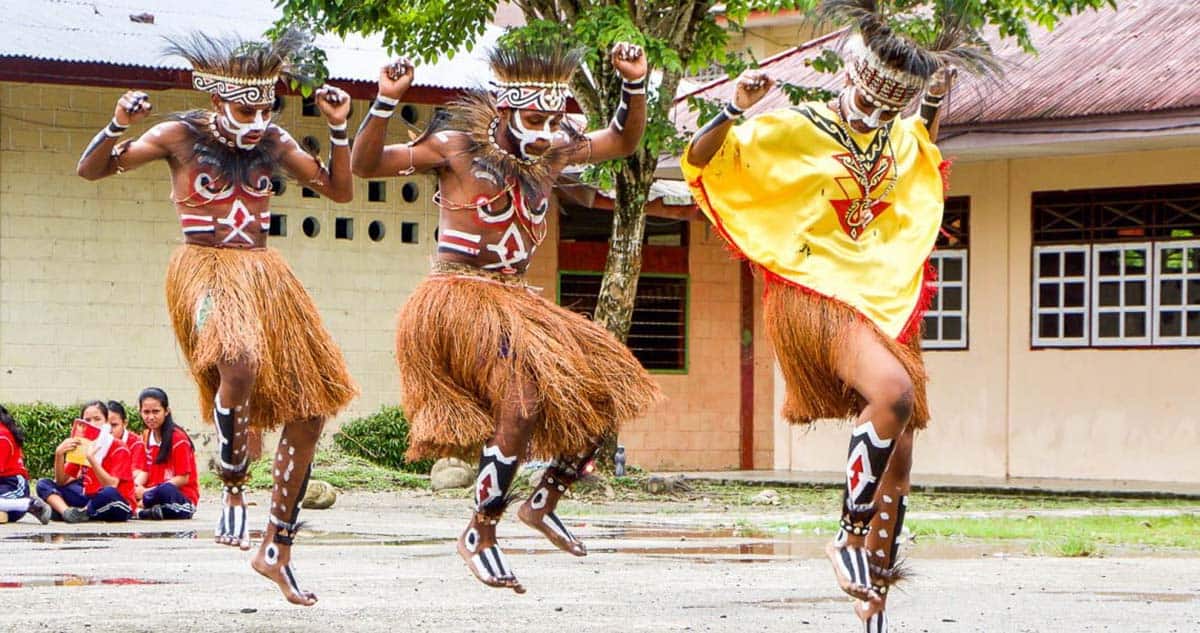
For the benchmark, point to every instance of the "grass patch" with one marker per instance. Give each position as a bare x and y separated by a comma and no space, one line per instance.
827,500
1076,546
343,471
1056,536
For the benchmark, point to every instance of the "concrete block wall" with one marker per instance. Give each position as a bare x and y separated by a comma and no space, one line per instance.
82,307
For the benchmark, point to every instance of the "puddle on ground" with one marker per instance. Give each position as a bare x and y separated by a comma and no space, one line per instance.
94,540
62,538
712,545
20,581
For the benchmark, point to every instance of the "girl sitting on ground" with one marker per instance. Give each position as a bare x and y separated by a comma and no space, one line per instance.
14,479
121,432
102,489
169,489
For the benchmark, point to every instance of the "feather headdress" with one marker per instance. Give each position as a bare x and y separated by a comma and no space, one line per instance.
533,78
238,70
891,68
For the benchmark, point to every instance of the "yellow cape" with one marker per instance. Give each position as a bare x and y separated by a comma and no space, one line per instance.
786,193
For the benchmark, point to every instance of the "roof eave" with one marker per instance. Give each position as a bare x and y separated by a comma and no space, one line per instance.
1139,131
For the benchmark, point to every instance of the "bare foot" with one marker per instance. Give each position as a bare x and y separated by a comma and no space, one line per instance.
477,546
231,524
851,569
872,615
548,523
274,562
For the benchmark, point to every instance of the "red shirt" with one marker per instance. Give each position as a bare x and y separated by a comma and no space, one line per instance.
137,451
181,462
12,460
117,464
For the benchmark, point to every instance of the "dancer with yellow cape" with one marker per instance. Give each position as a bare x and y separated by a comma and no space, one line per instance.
838,205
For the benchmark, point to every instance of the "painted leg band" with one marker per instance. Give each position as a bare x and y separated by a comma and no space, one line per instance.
289,506
494,481
854,565
229,440
867,459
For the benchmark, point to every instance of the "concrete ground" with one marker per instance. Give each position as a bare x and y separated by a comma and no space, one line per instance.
387,562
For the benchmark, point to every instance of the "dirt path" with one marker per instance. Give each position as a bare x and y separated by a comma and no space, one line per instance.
386,562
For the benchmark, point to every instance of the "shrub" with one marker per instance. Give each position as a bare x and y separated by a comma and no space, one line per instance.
382,438
46,425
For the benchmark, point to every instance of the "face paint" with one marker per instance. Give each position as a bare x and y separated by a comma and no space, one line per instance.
871,121
241,130
523,137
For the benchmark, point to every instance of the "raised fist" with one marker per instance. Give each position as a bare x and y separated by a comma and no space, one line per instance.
752,86
396,77
629,60
941,81
334,103
133,106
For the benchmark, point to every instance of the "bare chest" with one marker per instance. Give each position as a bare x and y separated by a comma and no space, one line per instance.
215,213
493,227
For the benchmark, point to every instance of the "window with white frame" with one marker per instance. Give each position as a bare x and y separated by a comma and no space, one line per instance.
1060,297
1116,267
1177,292
945,325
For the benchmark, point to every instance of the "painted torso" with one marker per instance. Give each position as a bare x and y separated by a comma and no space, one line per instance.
214,213
215,210
491,226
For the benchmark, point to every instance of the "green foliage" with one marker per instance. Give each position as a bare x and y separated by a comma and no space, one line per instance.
46,425
422,29
381,438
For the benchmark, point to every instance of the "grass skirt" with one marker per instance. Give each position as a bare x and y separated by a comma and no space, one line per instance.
240,305
808,331
467,341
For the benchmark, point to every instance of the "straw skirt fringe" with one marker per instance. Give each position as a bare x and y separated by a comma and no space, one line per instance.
808,331
241,305
471,349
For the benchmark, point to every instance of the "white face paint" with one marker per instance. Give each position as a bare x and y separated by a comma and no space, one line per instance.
241,130
871,121
525,136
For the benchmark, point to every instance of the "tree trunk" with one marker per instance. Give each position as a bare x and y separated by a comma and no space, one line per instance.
614,307
618,288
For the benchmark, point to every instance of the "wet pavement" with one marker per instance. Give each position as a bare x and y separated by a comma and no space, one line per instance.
387,561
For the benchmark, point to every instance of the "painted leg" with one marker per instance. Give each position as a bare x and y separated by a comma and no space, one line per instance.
477,545
868,367
231,413
498,466
538,510
883,542
292,468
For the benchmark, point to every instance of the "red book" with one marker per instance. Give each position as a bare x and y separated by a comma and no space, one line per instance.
86,432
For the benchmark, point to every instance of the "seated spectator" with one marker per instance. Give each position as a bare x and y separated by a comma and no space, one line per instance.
101,490
14,479
119,422
170,488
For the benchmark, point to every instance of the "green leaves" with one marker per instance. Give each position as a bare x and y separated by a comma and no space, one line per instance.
422,29
382,438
